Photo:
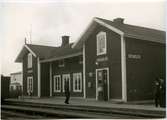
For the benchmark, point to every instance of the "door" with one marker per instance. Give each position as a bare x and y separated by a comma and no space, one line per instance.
102,87
65,78
30,85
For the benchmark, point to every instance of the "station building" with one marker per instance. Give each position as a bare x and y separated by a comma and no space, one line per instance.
110,61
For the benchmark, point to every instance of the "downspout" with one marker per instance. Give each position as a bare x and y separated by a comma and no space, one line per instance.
123,66
39,78
84,75
50,71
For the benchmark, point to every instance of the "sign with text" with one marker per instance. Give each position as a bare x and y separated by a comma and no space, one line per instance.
134,56
29,71
102,59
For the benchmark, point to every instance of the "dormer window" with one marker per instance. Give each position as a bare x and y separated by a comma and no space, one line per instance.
29,60
101,43
61,63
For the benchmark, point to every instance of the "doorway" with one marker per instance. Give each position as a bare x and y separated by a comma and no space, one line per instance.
30,85
65,78
102,84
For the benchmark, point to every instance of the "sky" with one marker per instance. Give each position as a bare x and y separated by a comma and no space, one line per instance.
47,21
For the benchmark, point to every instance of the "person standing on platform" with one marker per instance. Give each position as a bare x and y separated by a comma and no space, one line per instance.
157,92
162,93
67,92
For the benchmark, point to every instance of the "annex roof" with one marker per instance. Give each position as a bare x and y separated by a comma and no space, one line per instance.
132,31
48,53
37,50
43,52
64,52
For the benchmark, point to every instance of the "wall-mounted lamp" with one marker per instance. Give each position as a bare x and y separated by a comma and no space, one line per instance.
96,63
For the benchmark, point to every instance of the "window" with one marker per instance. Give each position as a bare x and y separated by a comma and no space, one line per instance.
77,82
101,43
29,60
29,85
57,83
66,77
61,63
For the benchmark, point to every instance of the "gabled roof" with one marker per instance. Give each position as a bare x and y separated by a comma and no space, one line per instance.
40,51
49,53
138,32
64,52
132,31
43,52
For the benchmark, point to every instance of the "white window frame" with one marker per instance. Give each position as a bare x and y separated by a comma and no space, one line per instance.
75,77
55,83
63,79
29,60
98,36
30,84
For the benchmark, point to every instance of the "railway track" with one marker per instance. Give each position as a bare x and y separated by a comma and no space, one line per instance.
69,111
8,114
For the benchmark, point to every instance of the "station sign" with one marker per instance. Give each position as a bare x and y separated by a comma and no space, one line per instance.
134,56
102,59
29,71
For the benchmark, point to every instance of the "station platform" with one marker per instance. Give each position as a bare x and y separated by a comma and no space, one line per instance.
144,109
75,101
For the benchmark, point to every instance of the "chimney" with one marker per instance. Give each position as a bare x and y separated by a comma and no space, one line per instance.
119,20
65,40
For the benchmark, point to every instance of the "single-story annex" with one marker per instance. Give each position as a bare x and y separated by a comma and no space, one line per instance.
110,61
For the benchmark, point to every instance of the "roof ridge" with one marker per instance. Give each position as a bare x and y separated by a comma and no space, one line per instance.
48,46
143,27
16,72
132,25
41,45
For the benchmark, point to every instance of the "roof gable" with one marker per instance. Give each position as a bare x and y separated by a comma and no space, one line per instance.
138,32
126,30
40,51
25,49
43,52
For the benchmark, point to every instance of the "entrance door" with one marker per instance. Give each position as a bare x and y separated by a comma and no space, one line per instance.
102,86
65,78
30,85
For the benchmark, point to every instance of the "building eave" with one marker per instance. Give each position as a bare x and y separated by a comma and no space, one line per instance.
62,57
